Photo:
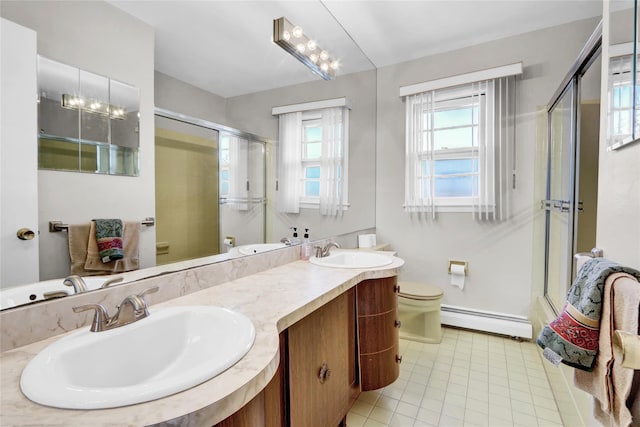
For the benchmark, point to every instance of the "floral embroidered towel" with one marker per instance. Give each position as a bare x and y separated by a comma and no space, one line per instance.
572,338
109,238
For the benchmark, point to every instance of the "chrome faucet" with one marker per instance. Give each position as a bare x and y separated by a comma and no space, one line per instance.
131,309
324,252
111,281
77,282
286,241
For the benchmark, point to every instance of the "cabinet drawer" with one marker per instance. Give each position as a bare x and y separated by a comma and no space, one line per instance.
378,370
376,296
378,332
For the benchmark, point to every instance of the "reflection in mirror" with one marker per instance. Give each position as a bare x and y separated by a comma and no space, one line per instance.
210,188
623,124
87,122
237,97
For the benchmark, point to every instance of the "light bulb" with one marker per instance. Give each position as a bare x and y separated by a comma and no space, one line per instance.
78,101
297,31
324,55
334,65
301,48
313,57
324,67
286,35
312,45
95,105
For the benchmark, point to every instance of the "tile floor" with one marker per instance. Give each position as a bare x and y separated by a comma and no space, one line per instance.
470,379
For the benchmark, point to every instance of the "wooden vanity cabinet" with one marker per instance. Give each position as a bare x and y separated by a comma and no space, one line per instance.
322,357
378,326
346,346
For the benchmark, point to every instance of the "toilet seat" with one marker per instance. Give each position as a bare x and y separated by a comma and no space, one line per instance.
419,291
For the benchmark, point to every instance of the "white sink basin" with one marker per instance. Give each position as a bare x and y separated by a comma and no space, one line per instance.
353,259
172,350
259,248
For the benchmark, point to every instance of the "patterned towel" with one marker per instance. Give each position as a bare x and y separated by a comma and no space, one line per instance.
573,336
109,238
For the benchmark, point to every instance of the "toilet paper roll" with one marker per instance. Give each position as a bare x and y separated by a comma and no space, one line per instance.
228,242
457,275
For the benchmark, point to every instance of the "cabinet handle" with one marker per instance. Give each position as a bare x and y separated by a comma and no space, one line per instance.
396,289
324,373
398,324
398,359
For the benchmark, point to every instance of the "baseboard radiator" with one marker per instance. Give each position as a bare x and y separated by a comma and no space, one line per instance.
487,321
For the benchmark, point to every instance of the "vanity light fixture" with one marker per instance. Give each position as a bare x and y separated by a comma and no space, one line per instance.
291,38
92,106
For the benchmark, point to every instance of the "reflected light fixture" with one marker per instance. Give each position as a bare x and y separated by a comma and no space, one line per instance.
291,38
92,106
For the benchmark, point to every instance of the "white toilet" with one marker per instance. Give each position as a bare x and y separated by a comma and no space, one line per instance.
419,312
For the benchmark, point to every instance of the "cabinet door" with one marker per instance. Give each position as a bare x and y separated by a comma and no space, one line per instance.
378,332
322,341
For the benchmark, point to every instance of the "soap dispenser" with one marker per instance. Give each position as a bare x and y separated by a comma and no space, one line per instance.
295,240
306,248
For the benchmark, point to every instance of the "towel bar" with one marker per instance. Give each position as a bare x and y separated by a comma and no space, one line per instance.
55,226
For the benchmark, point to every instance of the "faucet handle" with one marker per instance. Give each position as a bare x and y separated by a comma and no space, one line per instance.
318,250
100,318
150,290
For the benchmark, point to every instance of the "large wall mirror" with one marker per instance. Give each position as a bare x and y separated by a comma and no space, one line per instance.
240,98
623,124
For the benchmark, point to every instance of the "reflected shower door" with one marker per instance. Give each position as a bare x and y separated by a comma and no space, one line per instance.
187,218
560,204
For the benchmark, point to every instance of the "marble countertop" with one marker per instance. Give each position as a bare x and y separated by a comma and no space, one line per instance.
273,299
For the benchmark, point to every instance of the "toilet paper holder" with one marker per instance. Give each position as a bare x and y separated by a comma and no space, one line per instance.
456,262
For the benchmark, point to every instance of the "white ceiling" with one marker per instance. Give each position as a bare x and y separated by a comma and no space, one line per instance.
225,46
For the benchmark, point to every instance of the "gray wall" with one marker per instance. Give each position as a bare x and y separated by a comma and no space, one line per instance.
100,38
252,113
180,97
499,254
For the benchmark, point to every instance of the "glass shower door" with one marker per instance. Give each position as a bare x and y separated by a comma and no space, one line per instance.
560,202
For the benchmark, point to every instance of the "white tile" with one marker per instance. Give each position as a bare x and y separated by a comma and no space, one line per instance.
478,405
521,396
373,423
455,399
476,418
524,419
380,414
361,408
453,411
450,421
355,420
431,417
544,402
548,415
523,407
432,404
399,420
387,402
455,378
419,423
412,398
457,389
407,409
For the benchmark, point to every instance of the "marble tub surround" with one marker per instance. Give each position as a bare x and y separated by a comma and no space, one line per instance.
273,299
34,322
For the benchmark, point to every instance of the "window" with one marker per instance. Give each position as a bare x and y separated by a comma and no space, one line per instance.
449,163
459,145
621,120
313,158
224,162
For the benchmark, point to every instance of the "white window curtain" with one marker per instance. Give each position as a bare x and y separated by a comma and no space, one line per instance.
238,173
495,147
289,165
332,171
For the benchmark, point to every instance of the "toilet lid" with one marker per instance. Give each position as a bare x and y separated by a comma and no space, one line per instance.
420,291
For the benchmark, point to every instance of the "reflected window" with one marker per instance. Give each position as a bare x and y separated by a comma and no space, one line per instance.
621,114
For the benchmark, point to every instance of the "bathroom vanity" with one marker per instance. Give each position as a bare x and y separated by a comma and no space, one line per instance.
322,335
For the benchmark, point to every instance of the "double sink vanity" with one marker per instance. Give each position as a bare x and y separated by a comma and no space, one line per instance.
293,344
